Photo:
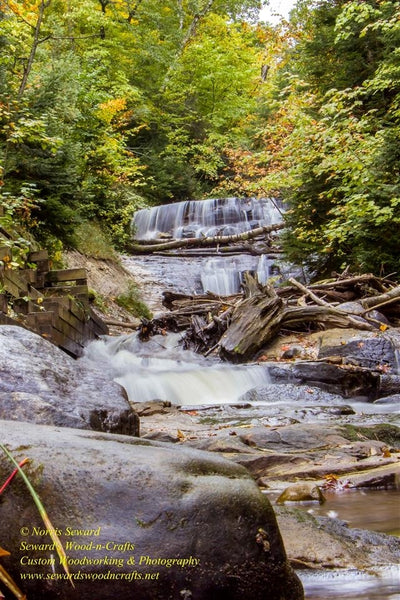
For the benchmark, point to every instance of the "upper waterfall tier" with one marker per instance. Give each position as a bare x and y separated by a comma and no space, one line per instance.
196,218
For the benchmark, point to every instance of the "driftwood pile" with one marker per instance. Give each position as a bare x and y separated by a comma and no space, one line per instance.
238,327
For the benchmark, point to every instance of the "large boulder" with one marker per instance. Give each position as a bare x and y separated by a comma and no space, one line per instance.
139,519
41,384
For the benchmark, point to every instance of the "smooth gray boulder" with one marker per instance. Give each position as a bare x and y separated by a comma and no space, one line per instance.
41,384
149,521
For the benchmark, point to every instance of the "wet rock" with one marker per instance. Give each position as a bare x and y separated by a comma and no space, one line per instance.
301,492
372,316
293,437
350,362
386,481
290,392
160,436
328,542
393,399
41,384
132,505
389,384
343,410
363,450
382,432
369,350
311,451
226,444
273,465
346,380
157,407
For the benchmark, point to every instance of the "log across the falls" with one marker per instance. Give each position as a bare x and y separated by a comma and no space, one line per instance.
198,242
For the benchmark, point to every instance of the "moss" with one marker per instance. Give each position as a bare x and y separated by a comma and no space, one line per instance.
130,300
384,432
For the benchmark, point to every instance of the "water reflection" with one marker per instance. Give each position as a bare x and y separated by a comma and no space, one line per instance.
377,510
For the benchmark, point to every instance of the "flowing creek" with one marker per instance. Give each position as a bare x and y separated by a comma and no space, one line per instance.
161,370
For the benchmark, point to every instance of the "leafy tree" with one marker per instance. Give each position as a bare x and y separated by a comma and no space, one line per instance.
346,187
327,139
99,112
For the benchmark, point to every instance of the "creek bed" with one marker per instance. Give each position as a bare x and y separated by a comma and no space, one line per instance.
354,506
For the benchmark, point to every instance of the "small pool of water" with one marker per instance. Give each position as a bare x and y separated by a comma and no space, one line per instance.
377,510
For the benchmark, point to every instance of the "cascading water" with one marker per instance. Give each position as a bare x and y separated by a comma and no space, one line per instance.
223,276
263,269
196,218
160,370
216,216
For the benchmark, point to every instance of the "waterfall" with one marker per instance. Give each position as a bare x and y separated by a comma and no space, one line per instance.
263,269
196,218
160,370
221,276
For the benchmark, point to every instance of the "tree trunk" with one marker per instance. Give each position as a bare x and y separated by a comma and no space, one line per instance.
392,295
36,32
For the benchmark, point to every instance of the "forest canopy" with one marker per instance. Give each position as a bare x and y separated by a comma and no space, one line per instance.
107,106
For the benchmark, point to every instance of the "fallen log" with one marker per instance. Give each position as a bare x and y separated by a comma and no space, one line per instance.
254,322
137,248
241,325
175,300
123,324
323,315
308,292
257,320
392,295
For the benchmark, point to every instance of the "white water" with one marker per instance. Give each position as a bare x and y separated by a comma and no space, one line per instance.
223,276
263,269
197,218
351,585
160,370
216,216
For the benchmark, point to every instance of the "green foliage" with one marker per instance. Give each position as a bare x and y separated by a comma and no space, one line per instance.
331,144
15,216
130,300
346,202
112,106
98,300
101,113
91,241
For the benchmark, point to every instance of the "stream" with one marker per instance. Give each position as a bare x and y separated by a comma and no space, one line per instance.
161,370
